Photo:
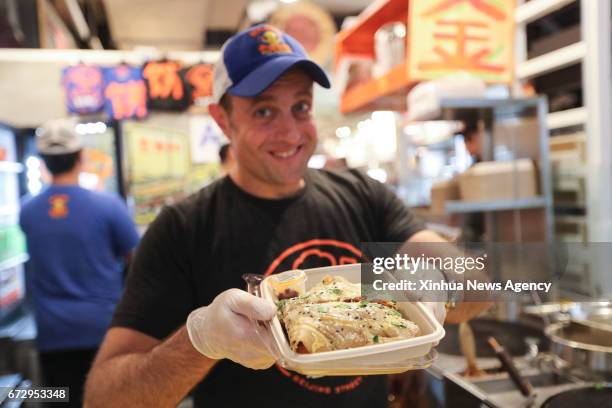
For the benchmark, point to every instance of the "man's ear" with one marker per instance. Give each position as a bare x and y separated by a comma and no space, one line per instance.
221,117
80,160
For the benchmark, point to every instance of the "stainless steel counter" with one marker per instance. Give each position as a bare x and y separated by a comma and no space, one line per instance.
496,388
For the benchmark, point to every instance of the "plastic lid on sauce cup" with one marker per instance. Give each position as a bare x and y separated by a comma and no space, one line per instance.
294,280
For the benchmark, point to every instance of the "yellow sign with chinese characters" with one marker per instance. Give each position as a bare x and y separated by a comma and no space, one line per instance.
156,153
461,36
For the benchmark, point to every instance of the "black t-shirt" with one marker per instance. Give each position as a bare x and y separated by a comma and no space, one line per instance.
200,247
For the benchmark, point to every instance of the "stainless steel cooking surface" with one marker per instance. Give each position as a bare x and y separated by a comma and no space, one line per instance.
571,367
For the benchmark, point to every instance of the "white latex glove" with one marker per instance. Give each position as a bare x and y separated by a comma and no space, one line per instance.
436,306
227,329
438,309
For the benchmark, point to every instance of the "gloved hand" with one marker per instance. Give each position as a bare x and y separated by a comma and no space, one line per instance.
435,302
227,329
438,309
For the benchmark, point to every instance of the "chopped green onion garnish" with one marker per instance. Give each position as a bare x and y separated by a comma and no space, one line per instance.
343,306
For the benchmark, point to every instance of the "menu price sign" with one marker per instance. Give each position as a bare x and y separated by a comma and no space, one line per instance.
461,36
156,153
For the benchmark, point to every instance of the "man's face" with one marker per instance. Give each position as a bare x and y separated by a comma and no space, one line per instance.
273,134
473,144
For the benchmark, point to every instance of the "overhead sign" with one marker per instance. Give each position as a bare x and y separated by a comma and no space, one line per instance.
471,36
125,93
84,87
199,80
165,88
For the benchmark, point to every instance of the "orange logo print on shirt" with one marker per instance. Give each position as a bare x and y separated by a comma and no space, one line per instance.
317,252
59,206
164,80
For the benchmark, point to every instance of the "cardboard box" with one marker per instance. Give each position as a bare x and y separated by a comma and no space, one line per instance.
521,137
490,181
520,226
443,191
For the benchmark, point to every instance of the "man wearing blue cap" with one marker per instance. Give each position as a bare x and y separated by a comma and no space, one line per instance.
182,323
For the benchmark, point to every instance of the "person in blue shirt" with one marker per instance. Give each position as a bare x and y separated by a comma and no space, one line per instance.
78,241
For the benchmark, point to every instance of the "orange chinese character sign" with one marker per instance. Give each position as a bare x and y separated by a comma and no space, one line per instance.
165,87
125,93
163,80
127,99
199,79
461,36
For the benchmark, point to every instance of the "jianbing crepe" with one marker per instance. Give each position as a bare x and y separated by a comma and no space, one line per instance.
332,316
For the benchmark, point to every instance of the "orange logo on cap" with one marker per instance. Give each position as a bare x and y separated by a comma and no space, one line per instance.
270,40
59,207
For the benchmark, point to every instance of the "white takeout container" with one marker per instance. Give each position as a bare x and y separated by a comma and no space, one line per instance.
385,358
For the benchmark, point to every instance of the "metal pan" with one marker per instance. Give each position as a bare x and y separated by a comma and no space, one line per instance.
593,396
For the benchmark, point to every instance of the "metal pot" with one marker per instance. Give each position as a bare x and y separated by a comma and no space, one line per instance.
596,314
581,346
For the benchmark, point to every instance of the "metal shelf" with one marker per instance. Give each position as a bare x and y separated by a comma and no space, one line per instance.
567,118
11,167
498,205
551,61
535,9
463,108
14,261
475,103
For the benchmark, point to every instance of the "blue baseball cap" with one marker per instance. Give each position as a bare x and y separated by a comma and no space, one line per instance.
256,57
